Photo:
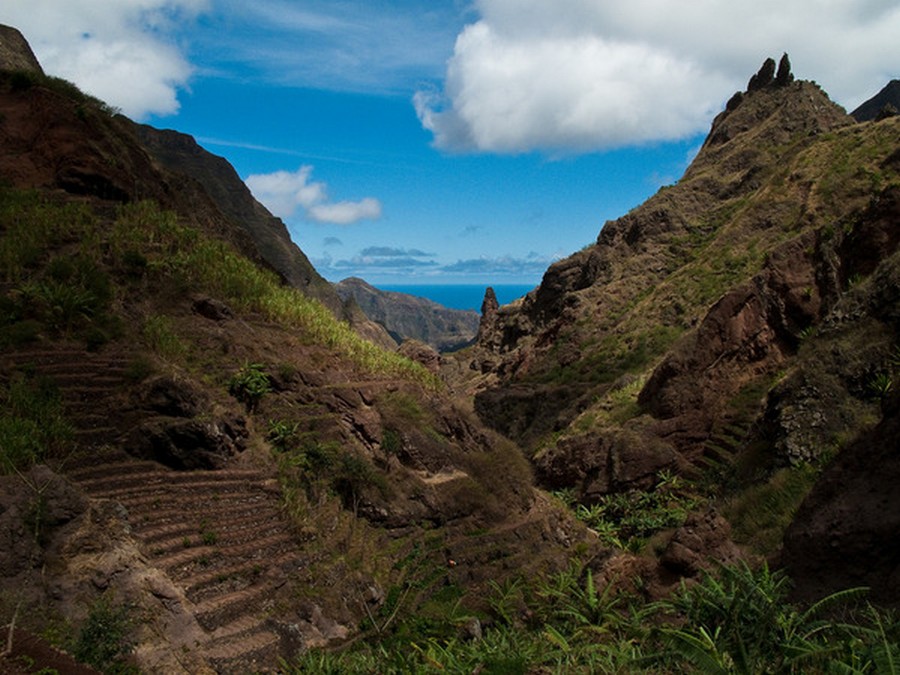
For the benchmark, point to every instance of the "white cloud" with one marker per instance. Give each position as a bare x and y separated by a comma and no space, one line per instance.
117,50
344,213
284,192
583,75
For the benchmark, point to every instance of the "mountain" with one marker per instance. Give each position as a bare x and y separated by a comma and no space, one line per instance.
203,468
180,153
738,327
411,317
202,444
886,101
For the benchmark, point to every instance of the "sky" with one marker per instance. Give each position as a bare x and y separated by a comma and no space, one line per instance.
450,141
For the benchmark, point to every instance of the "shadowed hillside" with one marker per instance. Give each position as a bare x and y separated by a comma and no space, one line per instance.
210,450
205,468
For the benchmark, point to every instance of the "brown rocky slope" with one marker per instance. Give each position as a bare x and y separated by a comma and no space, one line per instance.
220,454
736,328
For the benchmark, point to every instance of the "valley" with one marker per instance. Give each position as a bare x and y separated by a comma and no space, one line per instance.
677,454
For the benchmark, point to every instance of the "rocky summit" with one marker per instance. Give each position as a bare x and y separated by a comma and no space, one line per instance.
212,461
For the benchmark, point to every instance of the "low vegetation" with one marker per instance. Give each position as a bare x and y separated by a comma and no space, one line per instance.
738,620
68,272
32,425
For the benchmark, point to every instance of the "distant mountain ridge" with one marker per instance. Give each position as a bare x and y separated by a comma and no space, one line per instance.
410,317
884,102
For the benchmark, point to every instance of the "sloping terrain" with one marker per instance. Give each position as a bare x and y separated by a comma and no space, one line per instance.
227,459
410,317
736,329
199,458
181,154
886,102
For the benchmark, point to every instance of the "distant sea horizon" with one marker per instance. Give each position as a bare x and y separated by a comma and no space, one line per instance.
461,296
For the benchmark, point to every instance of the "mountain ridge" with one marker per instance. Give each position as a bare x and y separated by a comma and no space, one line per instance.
407,316
698,388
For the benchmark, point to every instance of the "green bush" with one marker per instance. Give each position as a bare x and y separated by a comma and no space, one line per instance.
32,426
628,519
249,385
104,640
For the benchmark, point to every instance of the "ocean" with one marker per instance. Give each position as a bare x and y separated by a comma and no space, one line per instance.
461,296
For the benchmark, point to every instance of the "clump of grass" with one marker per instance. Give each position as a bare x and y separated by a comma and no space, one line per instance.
761,513
162,339
104,640
32,425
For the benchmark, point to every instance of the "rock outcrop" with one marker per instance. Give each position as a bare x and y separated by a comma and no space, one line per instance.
845,533
15,52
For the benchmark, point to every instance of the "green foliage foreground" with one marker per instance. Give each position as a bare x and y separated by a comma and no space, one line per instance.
738,620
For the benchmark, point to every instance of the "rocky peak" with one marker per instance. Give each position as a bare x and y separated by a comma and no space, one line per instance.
881,105
776,103
15,52
489,309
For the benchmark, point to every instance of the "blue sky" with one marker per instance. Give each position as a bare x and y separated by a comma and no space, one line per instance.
450,141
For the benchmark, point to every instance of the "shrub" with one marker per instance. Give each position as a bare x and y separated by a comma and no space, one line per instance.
32,426
249,385
104,639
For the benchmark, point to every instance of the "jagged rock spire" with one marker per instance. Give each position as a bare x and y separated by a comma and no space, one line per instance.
768,77
489,309
764,77
784,76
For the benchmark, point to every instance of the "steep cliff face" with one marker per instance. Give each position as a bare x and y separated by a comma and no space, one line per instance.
739,327
15,52
180,154
845,533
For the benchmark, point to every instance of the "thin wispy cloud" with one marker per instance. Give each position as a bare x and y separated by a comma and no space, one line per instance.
579,75
500,268
391,252
285,193
341,46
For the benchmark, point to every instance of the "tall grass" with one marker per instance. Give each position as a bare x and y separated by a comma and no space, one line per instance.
737,620
31,227
32,425
217,268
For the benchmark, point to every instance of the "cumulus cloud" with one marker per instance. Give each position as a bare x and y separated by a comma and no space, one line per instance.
583,75
284,192
344,213
120,51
